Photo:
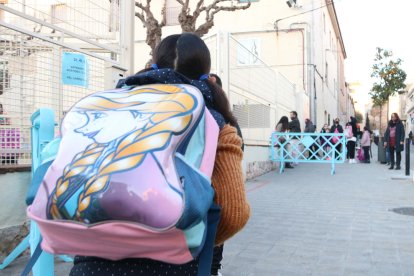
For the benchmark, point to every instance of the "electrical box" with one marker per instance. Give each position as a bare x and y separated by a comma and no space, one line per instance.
112,75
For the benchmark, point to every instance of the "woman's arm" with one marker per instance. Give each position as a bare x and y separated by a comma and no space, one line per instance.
228,183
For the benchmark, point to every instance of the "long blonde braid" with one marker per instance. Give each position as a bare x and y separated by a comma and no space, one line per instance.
172,113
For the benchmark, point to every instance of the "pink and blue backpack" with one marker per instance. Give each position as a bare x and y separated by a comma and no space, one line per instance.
131,176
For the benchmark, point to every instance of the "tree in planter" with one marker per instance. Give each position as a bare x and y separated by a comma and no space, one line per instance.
389,79
188,18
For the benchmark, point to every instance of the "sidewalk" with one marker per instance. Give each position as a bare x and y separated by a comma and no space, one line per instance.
308,222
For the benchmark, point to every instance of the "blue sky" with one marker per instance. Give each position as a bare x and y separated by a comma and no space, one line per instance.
366,24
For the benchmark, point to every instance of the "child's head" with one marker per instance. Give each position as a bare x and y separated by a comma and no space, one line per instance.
193,56
165,52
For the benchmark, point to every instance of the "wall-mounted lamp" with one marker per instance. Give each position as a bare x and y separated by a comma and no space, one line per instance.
291,3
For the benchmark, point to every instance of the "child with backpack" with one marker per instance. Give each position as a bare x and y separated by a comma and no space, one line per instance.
139,142
350,144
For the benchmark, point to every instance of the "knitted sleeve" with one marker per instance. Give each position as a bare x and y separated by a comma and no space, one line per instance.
228,183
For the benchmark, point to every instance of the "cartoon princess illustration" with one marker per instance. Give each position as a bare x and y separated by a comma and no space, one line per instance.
124,128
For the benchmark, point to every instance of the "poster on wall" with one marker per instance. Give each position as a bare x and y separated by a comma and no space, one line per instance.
75,69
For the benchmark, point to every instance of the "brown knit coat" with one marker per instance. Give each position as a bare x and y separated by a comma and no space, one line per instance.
228,183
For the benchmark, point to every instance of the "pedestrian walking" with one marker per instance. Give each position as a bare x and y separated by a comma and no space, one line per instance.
336,128
394,140
366,144
350,143
191,59
283,126
294,126
324,140
310,128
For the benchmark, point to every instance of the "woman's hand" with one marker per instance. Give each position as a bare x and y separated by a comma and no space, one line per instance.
385,144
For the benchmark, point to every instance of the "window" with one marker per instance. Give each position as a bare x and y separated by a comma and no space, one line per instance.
4,77
59,13
172,11
324,23
330,40
114,16
326,72
248,51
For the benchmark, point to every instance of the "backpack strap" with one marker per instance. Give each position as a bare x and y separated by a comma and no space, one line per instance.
37,180
33,259
47,156
206,255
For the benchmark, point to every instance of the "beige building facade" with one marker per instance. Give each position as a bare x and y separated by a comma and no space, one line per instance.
303,42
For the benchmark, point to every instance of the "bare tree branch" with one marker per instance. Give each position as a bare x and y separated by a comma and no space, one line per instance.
211,10
141,16
154,28
186,18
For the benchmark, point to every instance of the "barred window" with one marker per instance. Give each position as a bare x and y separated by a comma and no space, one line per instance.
172,11
4,77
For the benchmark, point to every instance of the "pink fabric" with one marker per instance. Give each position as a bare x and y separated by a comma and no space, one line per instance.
211,139
131,240
393,130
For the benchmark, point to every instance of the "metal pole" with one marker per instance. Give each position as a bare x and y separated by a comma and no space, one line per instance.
407,156
127,34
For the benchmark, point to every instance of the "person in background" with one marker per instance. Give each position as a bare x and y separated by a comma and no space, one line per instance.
353,123
310,128
283,126
294,126
350,144
366,144
394,140
337,128
323,140
218,250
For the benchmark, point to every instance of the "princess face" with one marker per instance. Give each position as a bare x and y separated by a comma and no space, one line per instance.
100,125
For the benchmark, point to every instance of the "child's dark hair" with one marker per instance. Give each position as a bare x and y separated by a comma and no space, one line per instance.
284,120
193,57
164,54
218,80
193,60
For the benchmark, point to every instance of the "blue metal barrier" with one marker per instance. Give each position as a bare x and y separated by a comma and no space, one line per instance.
308,148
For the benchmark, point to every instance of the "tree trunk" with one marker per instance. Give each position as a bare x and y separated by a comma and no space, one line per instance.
380,122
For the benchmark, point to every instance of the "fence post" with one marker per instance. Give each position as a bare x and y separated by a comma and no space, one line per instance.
407,156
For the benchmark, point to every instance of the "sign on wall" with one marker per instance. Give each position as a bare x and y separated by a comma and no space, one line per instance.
75,69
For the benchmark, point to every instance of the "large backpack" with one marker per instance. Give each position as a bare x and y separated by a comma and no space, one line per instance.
131,178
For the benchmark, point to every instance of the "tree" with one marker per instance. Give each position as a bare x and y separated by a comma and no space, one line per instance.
388,76
189,19
359,117
367,122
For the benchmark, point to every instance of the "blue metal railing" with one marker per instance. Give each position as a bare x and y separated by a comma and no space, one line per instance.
308,148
